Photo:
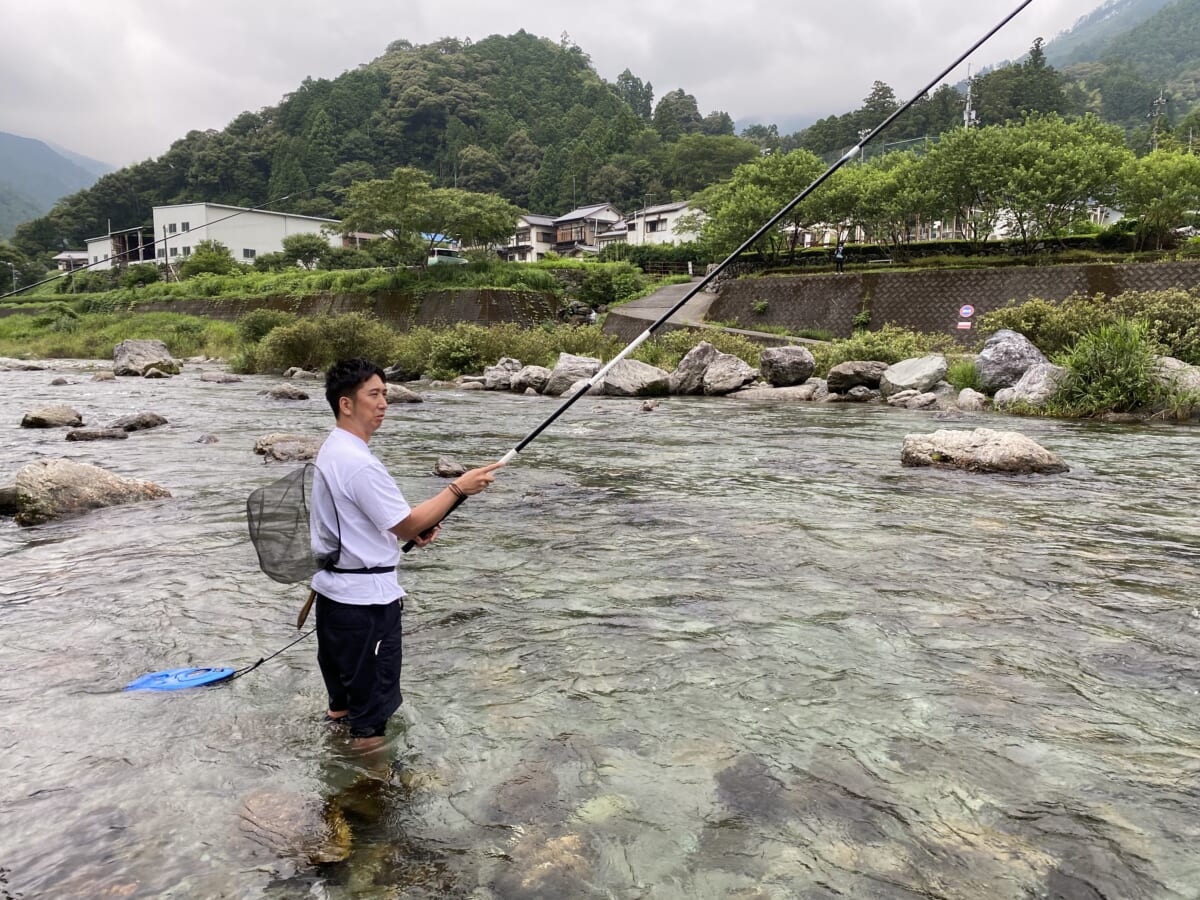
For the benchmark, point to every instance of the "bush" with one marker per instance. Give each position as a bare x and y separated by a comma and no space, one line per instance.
1172,319
316,343
1110,369
258,323
140,274
668,349
963,374
890,344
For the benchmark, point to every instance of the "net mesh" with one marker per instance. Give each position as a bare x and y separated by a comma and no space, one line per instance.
280,515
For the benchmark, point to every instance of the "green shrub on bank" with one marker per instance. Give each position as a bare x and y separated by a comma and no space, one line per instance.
1109,369
1171,317
890,344
258,323
963,374
315,343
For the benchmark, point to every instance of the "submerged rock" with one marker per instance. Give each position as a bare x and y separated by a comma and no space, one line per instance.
297,825
142,421
981,450
286,392
219,377
97,434
56,488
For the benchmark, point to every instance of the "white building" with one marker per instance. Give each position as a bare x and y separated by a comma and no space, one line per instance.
533,239
657,224
576,233
127,246
248,233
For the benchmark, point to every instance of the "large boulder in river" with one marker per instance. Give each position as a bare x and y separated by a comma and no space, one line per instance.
688,377
1040,382
786,366
97,434
499,377
630,378
1005,357
918,375
137,357
52,417
286,392
536,377
285,447
397,393
726,374
808,391
1175,374
568,370
56,488
981,450
855,372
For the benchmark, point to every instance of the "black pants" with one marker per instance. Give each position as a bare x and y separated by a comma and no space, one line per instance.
360,653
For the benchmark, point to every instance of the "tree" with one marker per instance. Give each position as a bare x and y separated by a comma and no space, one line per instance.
1056,169
208,256
1159,190
969,172
755,193
305,248
394,207
676,114
639,95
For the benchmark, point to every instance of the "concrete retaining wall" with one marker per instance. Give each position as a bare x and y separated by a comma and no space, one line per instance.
930,300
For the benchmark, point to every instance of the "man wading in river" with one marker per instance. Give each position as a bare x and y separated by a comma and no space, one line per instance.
360,601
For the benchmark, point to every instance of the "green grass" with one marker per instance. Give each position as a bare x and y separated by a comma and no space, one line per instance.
60,333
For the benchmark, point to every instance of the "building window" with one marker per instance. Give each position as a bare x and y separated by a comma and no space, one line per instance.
523,236
162,252
171,228
546,237
187,251
656,224
95,259
174,251
247,253
185,227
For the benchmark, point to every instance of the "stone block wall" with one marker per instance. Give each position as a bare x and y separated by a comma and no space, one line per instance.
929,300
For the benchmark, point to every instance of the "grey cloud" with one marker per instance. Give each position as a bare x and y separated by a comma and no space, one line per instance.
122,87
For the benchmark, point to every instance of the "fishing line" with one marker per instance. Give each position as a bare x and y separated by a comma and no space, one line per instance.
161,240
713,273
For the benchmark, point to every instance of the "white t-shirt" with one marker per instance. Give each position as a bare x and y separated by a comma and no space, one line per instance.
366,503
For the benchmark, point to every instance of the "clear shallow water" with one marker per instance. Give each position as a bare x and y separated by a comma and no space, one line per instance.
712,650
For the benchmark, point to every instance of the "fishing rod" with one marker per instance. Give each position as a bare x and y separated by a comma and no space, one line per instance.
152,244
713,273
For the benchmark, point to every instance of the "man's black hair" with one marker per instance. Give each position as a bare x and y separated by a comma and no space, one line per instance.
344,377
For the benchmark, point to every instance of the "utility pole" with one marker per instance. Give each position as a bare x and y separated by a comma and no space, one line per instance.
968,110
1156,114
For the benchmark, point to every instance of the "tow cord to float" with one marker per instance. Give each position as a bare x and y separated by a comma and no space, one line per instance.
248,669
717,270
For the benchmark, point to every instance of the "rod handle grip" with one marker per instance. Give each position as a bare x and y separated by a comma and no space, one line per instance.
458,501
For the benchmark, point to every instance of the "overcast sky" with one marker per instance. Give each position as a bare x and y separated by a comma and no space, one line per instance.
120,81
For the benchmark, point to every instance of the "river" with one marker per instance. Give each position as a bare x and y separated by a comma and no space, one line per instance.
711,650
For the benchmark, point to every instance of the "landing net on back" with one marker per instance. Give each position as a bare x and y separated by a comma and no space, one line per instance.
279,515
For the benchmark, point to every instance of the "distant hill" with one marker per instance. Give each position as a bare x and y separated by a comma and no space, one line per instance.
1089,38
95,166
33,177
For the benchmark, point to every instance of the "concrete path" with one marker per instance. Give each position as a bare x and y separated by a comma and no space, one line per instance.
654,305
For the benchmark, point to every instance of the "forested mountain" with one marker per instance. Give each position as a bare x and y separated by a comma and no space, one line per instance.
521,116
1087,39
32,177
